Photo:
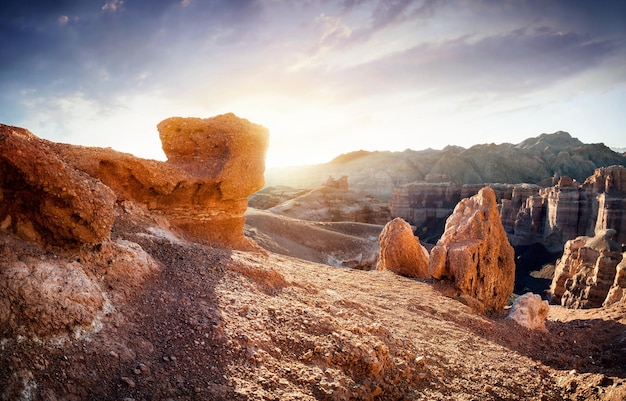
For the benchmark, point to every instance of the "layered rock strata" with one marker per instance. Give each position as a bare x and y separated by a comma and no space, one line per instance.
529,213
475,253
213,165
588,271
401,251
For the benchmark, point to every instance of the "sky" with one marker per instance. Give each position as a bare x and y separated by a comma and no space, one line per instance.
325,77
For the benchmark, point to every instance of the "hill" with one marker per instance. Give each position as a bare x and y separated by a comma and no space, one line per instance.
533,161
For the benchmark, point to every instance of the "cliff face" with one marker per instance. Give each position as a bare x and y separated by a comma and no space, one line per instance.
587,272
529,213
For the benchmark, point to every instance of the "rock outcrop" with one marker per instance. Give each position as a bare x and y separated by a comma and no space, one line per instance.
60,264
530,311
475,253
213,165
617,292
587,271
44,199
401,251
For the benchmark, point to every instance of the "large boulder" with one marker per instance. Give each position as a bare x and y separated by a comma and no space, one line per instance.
44,199
475,253
530,311
401,251
587,270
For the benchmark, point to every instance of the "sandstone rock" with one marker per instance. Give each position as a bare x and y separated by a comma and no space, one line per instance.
617,292
530,311
203,192
401,251
225,149
529,213
44,199
586,272
475,253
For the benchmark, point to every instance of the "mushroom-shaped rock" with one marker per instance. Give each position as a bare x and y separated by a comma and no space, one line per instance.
44,199
530,311
401,251
224,149
474,251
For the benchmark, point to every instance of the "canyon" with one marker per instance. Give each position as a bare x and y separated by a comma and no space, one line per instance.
123,278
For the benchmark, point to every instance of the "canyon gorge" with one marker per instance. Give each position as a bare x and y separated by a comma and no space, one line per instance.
201,278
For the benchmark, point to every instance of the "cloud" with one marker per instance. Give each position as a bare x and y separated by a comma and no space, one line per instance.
113,5
518,61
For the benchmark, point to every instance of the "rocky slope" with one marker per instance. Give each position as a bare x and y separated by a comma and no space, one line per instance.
135,304
531,161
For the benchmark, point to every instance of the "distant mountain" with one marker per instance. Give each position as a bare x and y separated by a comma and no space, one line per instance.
534,160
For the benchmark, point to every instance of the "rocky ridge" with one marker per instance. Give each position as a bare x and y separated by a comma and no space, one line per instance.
534,161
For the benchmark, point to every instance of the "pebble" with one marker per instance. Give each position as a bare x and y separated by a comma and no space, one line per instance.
114,354
130,382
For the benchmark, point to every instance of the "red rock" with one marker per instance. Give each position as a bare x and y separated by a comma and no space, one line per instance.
587,271
203,193
44,199
475,253
401,251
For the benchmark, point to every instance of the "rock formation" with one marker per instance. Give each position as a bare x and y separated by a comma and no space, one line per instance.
44,199
530,311
59,262
617,292
213,165
475,253
401,251
587,271
530,214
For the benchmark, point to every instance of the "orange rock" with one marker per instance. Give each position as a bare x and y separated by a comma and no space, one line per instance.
43,199
213,165
474,252
401,251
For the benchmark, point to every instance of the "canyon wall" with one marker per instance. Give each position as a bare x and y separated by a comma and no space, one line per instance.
529,213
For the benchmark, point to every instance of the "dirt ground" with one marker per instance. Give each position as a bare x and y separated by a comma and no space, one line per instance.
218,324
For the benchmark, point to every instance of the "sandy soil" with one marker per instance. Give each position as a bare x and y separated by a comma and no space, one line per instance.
217,324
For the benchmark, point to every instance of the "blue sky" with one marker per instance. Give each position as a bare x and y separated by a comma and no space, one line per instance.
325,77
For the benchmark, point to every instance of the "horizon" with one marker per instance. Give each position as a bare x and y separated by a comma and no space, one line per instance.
325,77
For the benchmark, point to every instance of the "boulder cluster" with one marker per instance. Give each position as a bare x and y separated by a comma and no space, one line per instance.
473,252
